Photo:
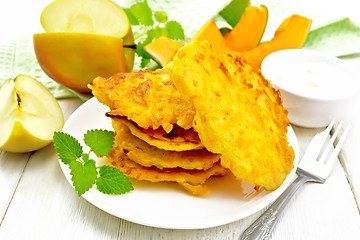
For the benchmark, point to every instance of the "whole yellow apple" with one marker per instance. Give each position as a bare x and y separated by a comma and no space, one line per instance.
29,115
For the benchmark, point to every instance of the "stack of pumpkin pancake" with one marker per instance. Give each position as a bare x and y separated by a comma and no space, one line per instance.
200,116
154,138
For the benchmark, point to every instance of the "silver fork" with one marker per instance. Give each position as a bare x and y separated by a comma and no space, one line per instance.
315,166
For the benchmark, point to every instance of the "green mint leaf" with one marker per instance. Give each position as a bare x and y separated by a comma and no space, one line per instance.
67,147
143,13
161,16
99,141
225,30
233,11
159,31
174,30
145,61
132,19
140,46
112,181
85,157
140,50
83,175
150,36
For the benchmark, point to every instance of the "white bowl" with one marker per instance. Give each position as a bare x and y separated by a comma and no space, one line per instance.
315,87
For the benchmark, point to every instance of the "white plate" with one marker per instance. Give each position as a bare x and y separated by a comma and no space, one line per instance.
166,205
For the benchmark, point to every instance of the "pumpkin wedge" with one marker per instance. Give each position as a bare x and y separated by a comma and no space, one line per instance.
211,33
248,32
291,34
162,50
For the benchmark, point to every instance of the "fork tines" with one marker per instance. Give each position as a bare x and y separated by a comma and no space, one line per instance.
324,150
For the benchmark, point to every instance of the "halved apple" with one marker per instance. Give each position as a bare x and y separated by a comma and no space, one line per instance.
84,39
29,115
87,16
75,59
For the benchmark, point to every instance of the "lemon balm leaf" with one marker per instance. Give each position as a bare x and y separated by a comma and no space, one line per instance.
160,31
174,30
145,61
132,19
150,29
140,46
99,141
112,181
83,175
83,170
85,157
67,147
161,16
143,13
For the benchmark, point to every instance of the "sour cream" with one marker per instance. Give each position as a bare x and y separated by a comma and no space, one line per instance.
309,73
314,87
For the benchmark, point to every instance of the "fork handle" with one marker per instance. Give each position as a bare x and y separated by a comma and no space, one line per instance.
264,225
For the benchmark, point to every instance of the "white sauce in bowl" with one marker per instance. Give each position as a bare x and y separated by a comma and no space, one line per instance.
309,73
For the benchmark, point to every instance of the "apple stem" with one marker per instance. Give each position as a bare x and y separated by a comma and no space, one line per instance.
133,46
18,99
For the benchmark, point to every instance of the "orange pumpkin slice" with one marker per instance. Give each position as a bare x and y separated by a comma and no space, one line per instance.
162,50
249,30
211,33
291,34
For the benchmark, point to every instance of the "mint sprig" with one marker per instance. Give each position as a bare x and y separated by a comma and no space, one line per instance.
152,25
85,174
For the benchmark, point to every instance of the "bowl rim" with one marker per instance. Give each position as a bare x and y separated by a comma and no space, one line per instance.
355,90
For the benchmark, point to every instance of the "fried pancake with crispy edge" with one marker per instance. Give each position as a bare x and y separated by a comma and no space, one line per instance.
146,155
148,98
190,180
238,114
178,139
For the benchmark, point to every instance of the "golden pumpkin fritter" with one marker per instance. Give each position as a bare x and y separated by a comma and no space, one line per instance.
138,160
239,115
201,115
178,139
148,98
150,156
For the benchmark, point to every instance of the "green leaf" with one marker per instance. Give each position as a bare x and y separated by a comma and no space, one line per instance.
233,11
132,19
150,36
140,46
174,30
161,16
225,30
159,31
67,147
85,157
143,13
140,50
145,61
99,141
112,181
83,175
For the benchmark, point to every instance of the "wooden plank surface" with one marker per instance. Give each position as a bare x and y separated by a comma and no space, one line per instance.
12,166
46,206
